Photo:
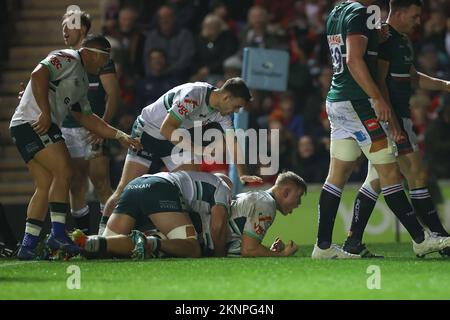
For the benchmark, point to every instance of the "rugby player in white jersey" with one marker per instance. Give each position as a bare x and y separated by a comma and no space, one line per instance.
166,200
253,213
251,216
180,107
58,85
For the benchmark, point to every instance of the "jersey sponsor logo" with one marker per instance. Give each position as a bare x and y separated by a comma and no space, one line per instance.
259,230
260,227
66,56
139,186
191,101
182,110
171,205
372,124
265,218
360,136
335,39
55,61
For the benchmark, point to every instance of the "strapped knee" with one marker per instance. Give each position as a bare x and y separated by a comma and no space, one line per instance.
183,232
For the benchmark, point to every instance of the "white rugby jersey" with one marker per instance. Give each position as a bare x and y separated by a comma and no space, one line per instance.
68,87
201,191
252,214
187,103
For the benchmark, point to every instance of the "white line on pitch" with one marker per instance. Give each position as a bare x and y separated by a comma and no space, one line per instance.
16,263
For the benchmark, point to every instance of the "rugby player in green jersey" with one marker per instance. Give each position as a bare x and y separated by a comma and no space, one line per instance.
355,107
396,78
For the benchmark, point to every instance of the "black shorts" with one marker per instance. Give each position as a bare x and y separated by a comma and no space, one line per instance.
147,195
29,142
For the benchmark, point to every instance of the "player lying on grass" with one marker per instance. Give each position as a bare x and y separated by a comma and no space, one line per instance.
252,214
58,85
166,200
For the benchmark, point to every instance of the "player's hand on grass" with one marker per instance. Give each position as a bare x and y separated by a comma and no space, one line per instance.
278,245
128,141
21,92
290,249
248,179
42,124
382,110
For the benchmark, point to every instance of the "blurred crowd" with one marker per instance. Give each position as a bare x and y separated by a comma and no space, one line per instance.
160,44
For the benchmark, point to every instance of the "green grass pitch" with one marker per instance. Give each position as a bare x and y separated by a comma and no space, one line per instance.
402,276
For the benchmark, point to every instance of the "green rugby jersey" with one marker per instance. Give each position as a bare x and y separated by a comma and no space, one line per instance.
96,95
397,50
346,19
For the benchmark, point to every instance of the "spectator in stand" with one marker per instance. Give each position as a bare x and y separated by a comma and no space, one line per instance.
280,12
309,162
188,13
285,143
257,34
315,104
447,37
132,43
435,30
419,105
289,118
215,44
438,143
219,8
177,42
157,82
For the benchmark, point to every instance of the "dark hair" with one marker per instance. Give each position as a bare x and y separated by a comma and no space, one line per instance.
238,88
404,4
97,41
160,50
85,19
291,177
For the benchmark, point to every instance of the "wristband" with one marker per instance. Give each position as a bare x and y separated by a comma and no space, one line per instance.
120,134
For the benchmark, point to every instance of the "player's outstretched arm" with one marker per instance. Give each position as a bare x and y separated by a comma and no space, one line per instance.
39,85
250,247
219,229
426,82
96,125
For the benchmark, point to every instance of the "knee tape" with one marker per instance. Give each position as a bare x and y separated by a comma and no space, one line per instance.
183,232
345,149
382,156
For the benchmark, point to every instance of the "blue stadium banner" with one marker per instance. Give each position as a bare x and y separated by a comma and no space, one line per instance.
265,69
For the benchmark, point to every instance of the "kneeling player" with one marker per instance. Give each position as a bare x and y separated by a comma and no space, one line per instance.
165,199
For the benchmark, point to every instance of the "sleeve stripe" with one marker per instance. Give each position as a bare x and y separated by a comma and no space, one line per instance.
175,115
252,235
47,64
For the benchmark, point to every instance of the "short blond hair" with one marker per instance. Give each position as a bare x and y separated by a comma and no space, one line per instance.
291,177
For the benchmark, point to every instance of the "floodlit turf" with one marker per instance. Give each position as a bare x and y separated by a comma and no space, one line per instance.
402,277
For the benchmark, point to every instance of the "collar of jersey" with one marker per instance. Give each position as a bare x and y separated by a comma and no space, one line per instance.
208,93
81,59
